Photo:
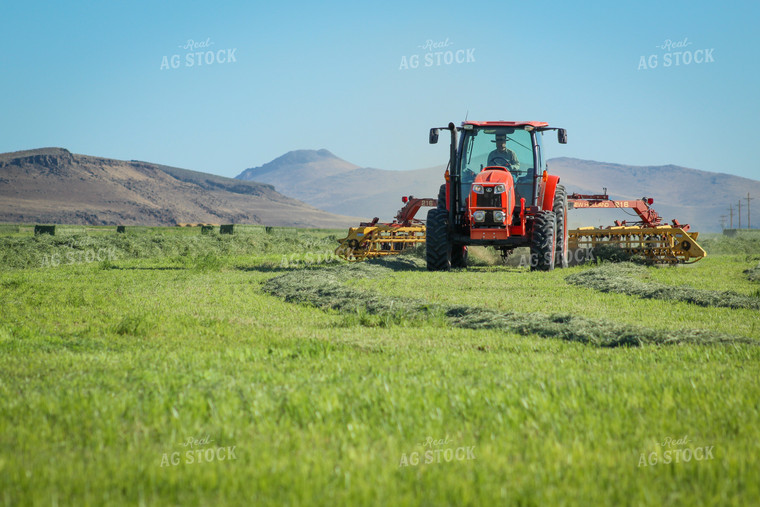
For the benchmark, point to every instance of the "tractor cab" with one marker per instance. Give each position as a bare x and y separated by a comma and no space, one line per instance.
497,193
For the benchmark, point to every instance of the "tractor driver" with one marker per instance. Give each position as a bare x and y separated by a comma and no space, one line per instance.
502,156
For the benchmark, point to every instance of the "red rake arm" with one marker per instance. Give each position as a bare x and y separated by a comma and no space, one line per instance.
406,215
642,207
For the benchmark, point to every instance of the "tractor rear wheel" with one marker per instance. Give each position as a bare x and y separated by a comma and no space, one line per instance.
542,243
442,197
560,212
437,246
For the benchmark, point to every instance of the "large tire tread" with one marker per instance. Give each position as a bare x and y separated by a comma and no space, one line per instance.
560,212
442,197
437,246
542,245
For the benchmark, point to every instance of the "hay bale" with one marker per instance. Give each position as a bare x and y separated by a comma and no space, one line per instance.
227,229
207,229
121,229
44,229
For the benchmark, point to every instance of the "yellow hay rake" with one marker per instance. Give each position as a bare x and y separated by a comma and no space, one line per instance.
375,239
661,244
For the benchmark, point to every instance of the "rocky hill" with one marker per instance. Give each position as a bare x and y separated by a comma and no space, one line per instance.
53,185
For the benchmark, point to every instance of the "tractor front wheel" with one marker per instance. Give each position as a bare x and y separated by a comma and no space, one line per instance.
542,243
437,246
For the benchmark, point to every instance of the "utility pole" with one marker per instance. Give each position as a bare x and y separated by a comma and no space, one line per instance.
739,214
731,215
748,199
723,221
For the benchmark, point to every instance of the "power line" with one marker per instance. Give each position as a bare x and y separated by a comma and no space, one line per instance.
739,214
748,198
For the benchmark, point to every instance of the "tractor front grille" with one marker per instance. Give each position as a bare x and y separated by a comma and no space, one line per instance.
489,221
488,199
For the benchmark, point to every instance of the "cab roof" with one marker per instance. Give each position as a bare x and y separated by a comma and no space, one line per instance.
517,124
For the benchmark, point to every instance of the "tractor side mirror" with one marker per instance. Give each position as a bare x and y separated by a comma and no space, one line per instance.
433,136
562,136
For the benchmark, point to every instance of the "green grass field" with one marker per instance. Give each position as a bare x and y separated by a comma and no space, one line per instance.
289,378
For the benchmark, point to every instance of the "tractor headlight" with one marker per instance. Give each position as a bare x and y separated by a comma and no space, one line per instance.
478,189
499,189
479,216
498,216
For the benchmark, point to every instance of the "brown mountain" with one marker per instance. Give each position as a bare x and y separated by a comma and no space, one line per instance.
696,197
52,185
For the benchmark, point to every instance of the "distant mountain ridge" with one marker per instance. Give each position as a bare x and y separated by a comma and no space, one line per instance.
323,180
692,196
52,185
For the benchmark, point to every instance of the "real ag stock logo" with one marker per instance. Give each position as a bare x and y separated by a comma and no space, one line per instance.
672,450
677,55
77,255
198,452
197,54
437,451
437,54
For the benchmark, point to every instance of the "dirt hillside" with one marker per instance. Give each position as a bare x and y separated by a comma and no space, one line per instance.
53,185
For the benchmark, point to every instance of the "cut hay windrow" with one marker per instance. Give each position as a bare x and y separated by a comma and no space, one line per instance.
31,251
328,288
753,274
625,278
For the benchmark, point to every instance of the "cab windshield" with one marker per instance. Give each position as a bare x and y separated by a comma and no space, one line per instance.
499,146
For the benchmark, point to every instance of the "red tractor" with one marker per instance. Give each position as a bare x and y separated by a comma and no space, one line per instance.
498,193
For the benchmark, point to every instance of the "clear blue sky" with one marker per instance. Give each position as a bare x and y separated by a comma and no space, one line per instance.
87,76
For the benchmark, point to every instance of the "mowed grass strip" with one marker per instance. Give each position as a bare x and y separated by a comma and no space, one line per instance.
327,288
625,278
